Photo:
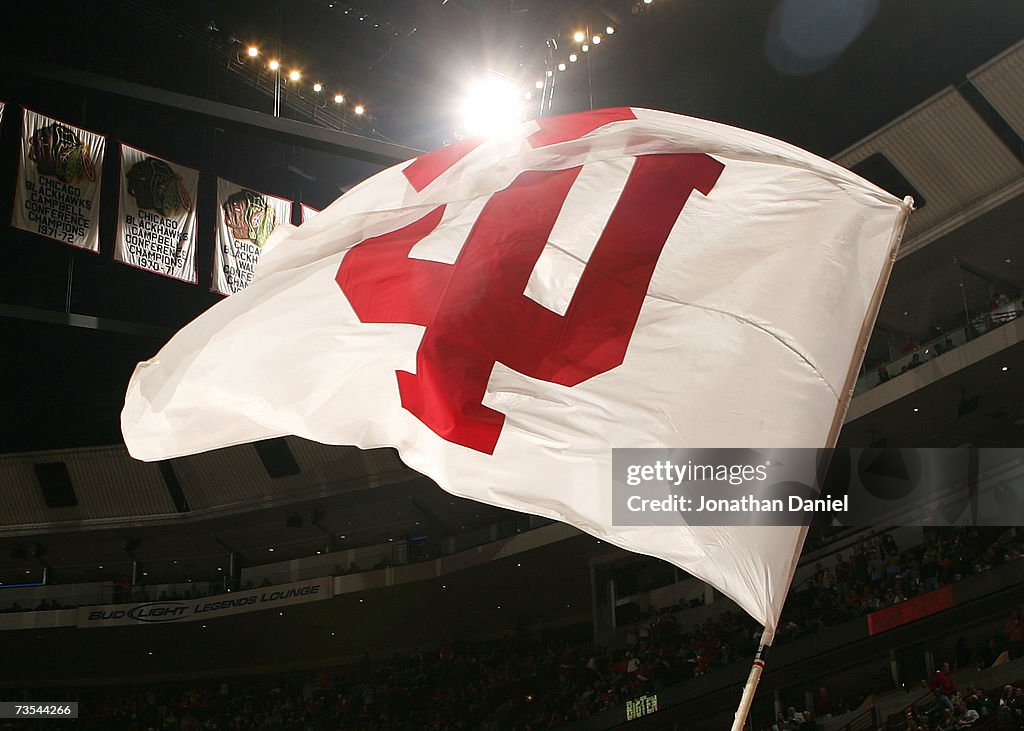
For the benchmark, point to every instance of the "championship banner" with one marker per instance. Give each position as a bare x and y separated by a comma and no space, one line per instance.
156,221
58,190
308,212
190,610
245,220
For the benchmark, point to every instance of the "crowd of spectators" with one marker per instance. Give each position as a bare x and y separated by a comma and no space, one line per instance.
877,574
528,682
874,575
523,682
999,710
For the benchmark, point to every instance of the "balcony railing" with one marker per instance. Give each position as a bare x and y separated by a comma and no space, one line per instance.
878,373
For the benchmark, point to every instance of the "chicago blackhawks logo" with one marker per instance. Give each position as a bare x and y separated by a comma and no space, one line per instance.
249,217
58,152
474,310
156,187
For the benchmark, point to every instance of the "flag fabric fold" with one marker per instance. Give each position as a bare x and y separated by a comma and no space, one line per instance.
505,312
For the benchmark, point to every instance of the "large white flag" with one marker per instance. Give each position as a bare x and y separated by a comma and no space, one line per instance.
506,312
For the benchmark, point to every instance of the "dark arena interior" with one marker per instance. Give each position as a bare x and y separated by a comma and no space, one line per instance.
389,604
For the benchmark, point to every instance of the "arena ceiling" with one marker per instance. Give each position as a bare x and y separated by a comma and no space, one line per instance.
819,74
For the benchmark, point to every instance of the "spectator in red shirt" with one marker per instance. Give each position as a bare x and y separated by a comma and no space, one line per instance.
944,687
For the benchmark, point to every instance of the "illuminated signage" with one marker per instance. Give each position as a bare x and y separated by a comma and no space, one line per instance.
642,706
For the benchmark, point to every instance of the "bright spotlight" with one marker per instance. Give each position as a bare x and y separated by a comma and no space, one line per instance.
253,52
339,98
584,48
539,84
561,67
274,64
610,30
492,107
572,58
360,109
528,96
596,39
295,75
579,36
318,87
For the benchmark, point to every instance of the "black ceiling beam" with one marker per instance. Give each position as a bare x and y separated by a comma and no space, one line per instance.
285,130
90,322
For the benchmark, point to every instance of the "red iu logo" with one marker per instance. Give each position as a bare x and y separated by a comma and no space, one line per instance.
475,311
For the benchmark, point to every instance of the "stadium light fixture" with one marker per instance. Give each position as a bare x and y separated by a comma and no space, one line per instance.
492,106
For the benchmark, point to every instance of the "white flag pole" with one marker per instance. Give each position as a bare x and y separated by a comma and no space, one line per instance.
752,680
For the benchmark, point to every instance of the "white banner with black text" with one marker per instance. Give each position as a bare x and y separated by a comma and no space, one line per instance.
57,194
245,220
156,221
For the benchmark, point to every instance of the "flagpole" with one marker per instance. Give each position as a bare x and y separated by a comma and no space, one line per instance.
752,680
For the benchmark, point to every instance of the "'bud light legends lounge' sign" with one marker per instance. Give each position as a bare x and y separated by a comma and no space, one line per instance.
271,597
